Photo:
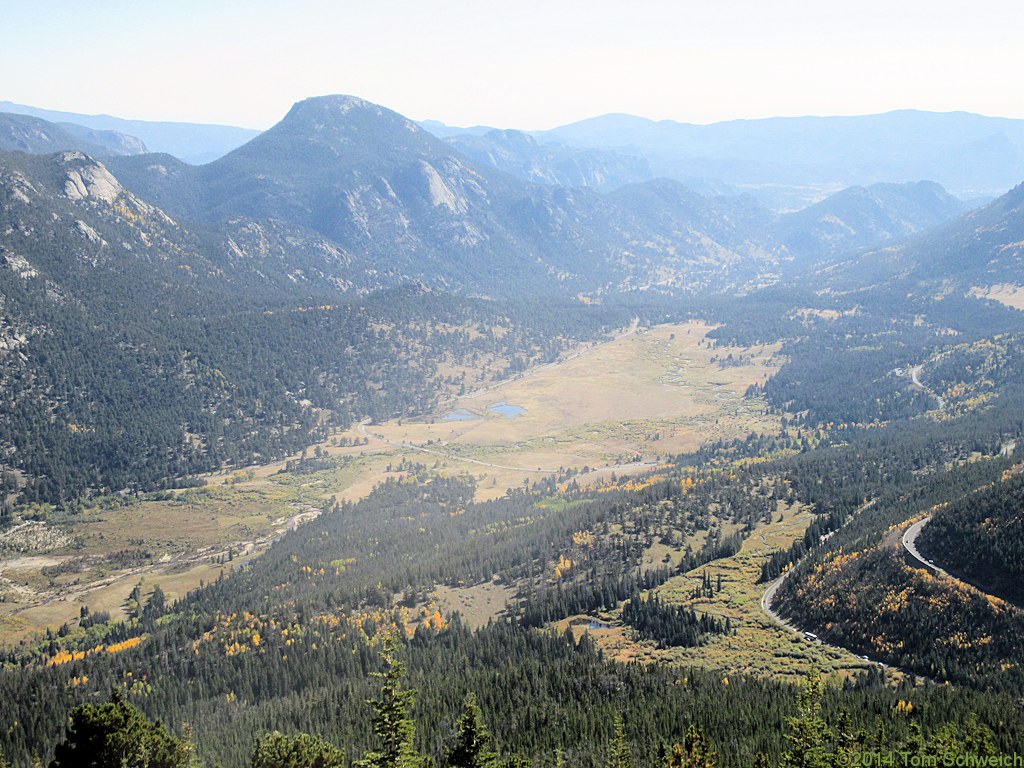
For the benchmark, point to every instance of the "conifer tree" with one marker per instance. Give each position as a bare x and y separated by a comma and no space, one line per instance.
392,725
809,736
275,750
699,753
117,735
473,742
915,742
968,738
619,755
845,739
694,752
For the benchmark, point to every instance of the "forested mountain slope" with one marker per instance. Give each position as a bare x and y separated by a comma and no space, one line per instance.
341,199
863,217
288,640
138,352
979,248
981,539
22,133
590,559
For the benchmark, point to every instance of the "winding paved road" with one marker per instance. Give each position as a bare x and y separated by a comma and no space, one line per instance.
769,597
915,378
766,604
910,546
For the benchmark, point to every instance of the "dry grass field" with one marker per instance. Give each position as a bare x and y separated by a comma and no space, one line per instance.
476,604
109,550
1005,293
759,645
618,406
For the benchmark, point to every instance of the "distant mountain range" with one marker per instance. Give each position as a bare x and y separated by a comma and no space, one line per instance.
862,217
519,154
787,163
194,143
347,195
401,204
198,281
790,162
23,133
969,154
405,204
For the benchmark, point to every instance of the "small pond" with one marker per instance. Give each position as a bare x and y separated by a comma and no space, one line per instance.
506,410
460,414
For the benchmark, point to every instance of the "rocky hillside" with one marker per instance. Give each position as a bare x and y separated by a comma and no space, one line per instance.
519,154
22,133
863,217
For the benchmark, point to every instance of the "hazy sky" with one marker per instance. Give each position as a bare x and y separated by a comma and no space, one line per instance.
526,64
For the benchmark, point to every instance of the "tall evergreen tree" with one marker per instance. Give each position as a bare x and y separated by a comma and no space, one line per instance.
809,736
968,738
619,754
392,724
473,742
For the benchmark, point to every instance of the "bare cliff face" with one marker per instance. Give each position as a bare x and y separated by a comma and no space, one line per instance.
86,179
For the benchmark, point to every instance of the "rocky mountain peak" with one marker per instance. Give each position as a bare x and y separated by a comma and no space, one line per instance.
342,113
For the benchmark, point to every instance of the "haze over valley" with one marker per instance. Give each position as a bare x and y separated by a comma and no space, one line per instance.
375,441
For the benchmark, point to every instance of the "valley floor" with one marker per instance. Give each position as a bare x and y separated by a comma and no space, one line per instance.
609,410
